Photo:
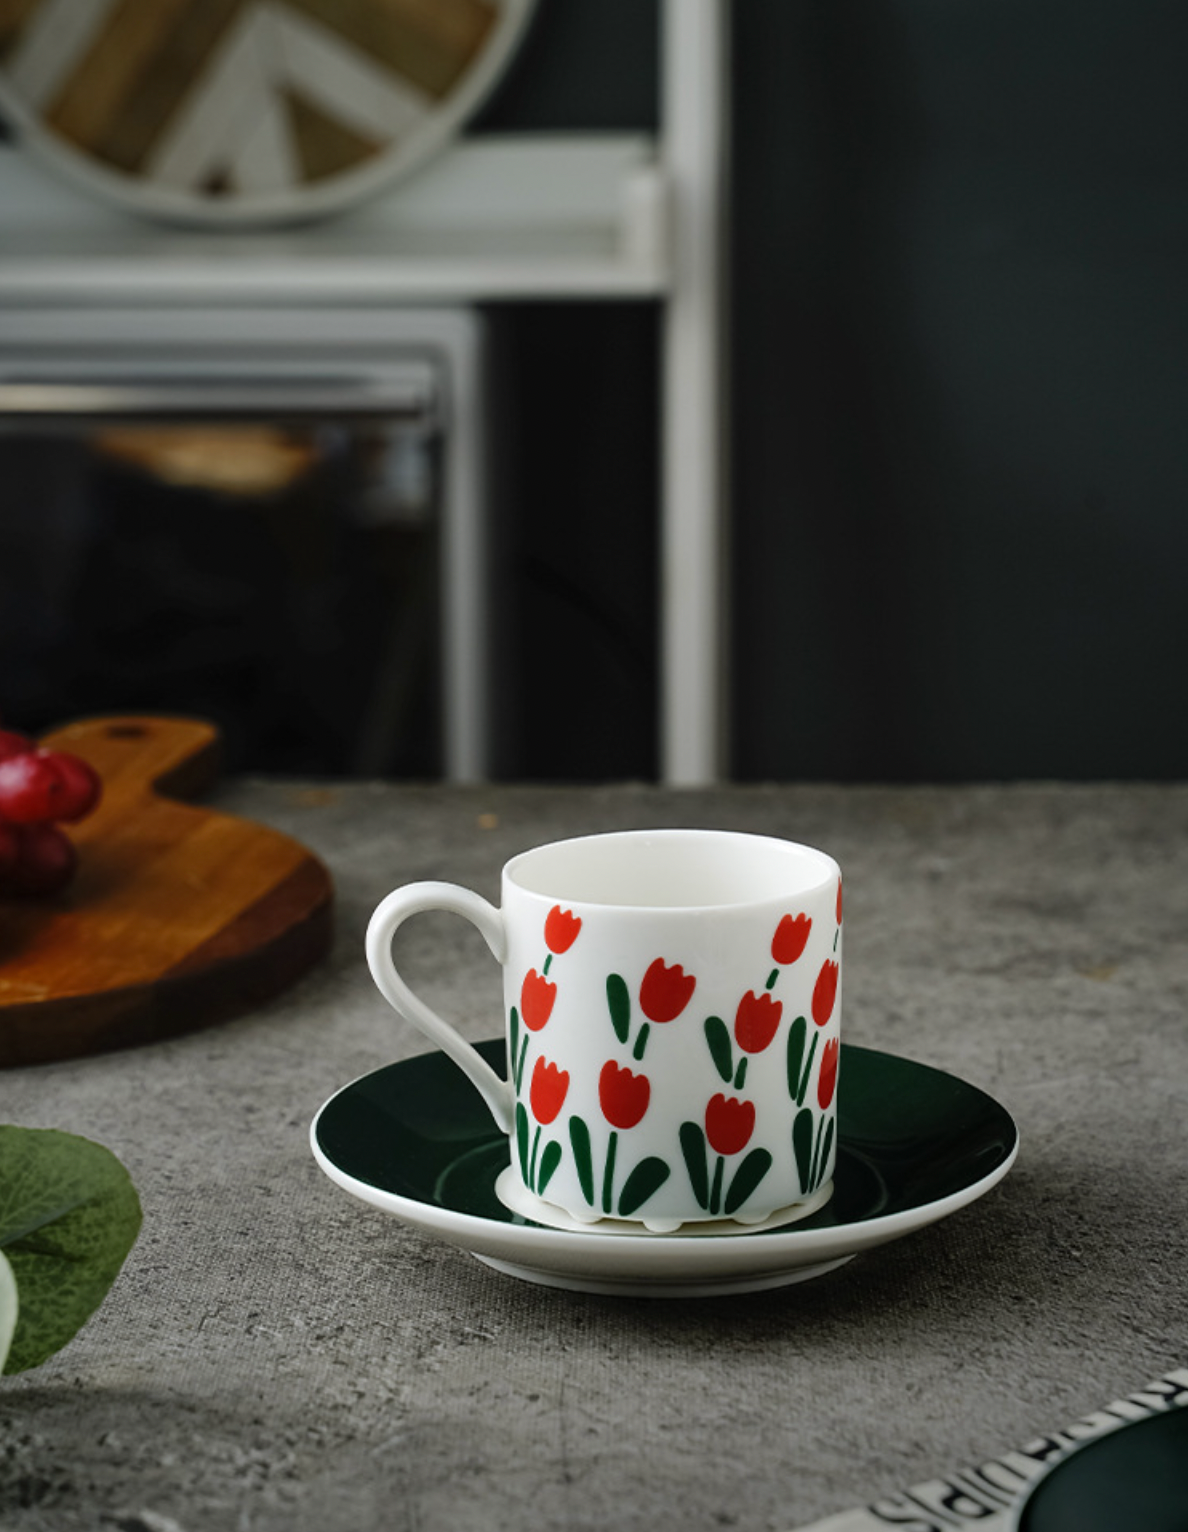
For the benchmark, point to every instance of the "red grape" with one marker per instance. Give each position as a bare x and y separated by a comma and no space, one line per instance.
46,860
12,743
38,789
31,789
81,785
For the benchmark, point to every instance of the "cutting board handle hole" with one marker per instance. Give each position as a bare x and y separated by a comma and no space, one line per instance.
126,731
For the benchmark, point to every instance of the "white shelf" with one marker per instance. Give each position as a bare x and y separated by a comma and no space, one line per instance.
497,217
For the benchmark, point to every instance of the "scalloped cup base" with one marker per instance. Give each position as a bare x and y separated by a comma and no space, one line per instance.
512,1192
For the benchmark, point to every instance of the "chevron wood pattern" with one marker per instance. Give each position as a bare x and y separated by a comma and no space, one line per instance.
234,100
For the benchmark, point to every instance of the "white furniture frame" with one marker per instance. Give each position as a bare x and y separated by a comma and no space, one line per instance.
522,217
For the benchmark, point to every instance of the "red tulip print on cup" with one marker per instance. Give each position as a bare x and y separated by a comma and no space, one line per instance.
561,929
756,1021
548,1090
665,991
672,1004
536,998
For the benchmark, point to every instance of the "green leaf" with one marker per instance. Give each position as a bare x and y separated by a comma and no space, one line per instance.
579,1137
608,1174
647,1176
549,1161
718,1039
619,1001
813,1176
520,1065
802,1088
8,1307
746,1178
522,1141
823,1160
796,1037
802,1146
69,1215
693,1148
715,1202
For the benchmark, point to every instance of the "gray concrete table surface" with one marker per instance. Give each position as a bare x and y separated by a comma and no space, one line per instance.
278,1355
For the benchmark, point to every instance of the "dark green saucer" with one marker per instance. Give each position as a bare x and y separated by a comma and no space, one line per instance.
915,1144
1134,1478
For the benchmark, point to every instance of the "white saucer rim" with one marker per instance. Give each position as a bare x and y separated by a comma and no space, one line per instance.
772,1250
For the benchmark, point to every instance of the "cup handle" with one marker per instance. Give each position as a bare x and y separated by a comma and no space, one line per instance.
391,913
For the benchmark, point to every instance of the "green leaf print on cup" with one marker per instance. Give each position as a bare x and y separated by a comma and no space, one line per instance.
518,1053
549,1161
821,1154
583,1159
608,1173
618,999
522,1140
802,1146
798,1077
811,1149
746,1178
647,1177
717,1035
696,1161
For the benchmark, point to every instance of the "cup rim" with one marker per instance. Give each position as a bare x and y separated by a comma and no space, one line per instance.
829,870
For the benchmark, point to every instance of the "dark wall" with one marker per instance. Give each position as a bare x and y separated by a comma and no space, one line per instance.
583,65
960,329
576,540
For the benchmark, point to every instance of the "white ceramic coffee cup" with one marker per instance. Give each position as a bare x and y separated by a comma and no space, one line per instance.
672,1000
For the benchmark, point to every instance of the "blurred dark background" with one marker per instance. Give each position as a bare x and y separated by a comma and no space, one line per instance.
961,324
958,340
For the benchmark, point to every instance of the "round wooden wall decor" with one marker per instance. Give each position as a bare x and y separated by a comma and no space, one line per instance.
247,111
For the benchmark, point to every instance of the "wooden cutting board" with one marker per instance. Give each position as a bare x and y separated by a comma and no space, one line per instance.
178,916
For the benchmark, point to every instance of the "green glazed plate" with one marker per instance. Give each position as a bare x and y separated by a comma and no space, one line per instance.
416,1140
1135,1477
